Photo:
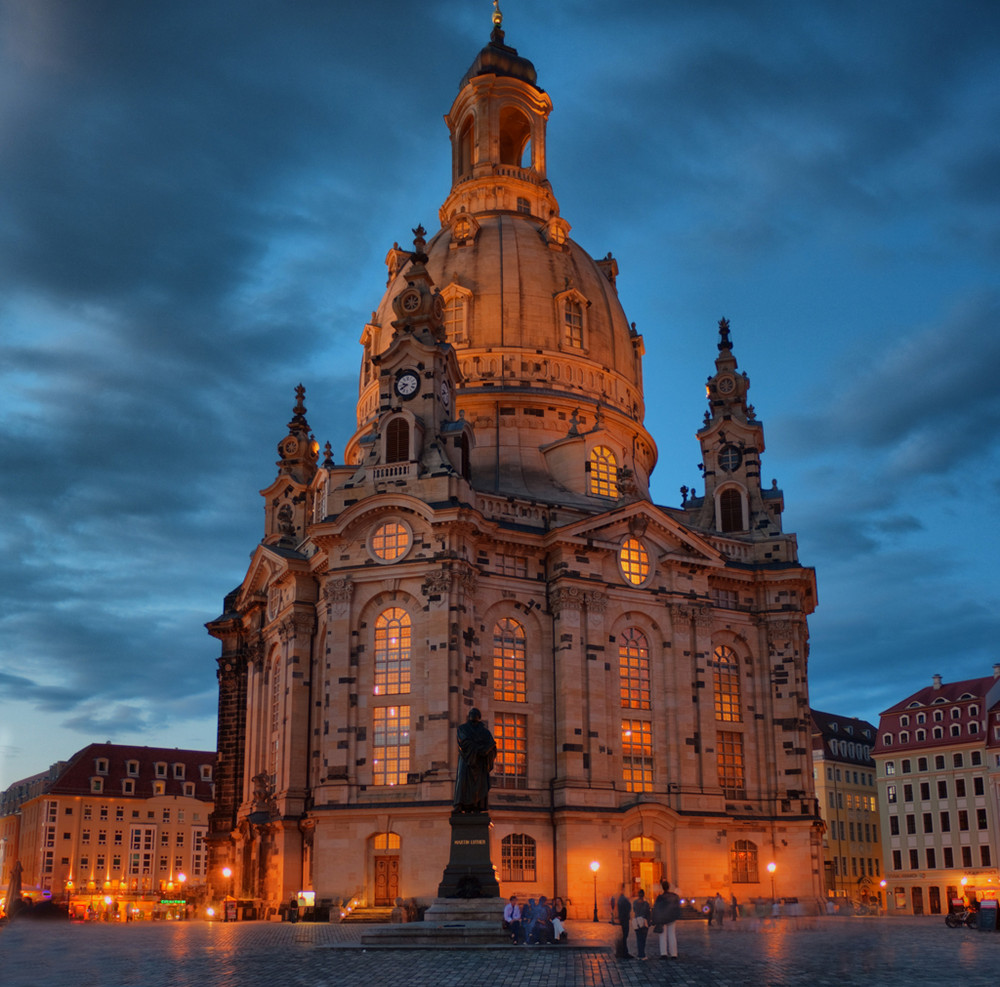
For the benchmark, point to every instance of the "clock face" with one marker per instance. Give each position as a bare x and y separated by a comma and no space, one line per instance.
726,385
445,393
730,458
407,384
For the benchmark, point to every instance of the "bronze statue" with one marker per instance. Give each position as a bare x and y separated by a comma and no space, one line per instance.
477,751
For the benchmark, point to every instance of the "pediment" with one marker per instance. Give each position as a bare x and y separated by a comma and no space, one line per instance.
643,520
267,563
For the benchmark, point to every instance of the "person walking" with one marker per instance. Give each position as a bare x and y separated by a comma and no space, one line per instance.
666,912
640,922
623,910
718,909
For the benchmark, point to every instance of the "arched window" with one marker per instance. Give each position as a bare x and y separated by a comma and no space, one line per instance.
515,136
385,841
603,469
727,685
731,510
465,148
517,858
390,745
397,441
633,669
392,652
508,661
573,324
454,319
743,862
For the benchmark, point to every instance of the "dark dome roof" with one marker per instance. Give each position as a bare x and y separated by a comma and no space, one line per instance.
499,59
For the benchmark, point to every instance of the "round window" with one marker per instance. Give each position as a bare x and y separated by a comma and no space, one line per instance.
634,561
390,541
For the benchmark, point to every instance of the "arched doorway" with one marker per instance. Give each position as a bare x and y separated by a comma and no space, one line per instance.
646,868
385,850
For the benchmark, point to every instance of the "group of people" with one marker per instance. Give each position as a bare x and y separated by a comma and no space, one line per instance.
639,917
538,923
715,909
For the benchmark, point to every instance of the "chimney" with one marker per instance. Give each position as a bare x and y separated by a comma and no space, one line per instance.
937,681
996,670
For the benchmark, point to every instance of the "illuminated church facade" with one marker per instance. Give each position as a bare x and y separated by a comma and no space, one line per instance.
491,542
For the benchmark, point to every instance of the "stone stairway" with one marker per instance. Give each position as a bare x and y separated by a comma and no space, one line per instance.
369,915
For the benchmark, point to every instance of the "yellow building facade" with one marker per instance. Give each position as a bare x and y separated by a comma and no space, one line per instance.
490,541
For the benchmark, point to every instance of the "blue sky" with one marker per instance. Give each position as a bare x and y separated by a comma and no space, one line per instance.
197,202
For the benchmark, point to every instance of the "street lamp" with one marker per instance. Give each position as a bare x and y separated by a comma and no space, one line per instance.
595,867
771,868
227,873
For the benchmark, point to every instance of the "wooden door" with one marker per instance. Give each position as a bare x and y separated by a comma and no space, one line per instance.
386,880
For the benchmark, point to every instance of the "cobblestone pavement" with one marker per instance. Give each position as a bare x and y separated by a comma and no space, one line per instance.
887,952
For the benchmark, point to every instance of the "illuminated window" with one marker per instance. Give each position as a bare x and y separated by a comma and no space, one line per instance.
508,661
641,844
634,561
510,730
385,841
517,858
743,861
390,745
603,468
573,324
454,319
392,652
727,685
397,441
637,755
633,669
731,510
729,754
390,541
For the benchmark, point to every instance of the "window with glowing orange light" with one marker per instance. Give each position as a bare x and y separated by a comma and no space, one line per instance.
603,468
731,766
392,652
390,745
633,669
637,755
633,559
510,730
390,541
385,841
573,324
743,863
726,674
508,661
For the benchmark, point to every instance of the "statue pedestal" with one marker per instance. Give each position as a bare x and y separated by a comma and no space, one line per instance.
470,873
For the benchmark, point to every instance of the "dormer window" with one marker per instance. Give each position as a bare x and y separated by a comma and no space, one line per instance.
128,786
573,324
159,788
206,772
603,469
161,769
188,790
178,770
101,765
132,768
97,785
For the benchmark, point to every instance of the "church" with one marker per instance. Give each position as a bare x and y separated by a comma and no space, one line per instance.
490,542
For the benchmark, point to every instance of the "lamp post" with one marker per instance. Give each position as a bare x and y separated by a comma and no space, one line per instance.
595,867
771,868
227,873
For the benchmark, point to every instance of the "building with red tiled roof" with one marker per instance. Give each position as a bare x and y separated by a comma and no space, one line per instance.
938,773
115,827
844,773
